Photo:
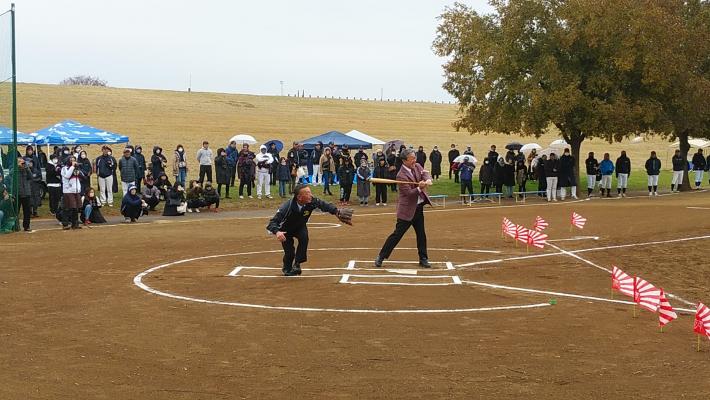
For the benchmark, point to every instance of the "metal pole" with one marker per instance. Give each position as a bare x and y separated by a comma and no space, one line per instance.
15,177
282,87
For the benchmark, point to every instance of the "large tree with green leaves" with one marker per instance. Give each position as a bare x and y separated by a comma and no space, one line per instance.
576,65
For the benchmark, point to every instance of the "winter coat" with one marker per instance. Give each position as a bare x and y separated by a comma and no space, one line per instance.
178,160
435,159
246,166
150,191
130,202
105,166
566,174
679,163
508,175
290,219
592,166
498,174
54,177
623,165
359,156
551,168
698,162
221,167
70,180
95,217
453,153
606,167
141,161
382,172
157,162
173,199
232,156
521,172
466,171
421,157
327,164
363,182
24,183
653,166
485,175
263,160
204,156
283,173
346,173
129,169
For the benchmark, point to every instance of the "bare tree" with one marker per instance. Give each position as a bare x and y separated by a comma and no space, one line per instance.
84,80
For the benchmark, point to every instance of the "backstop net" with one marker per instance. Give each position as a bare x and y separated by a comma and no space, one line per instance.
8,124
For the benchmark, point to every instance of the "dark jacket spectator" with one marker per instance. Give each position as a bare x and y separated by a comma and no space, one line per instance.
698,162
421,156
91,206
175,198
679,163
129,168
653,166
592,165
163,184
221,165
157,161
435,159
105,166
150,194
566,171
623,165
140,157
485,175
551,168
131,204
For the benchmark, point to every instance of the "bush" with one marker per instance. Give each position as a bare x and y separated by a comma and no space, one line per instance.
84,80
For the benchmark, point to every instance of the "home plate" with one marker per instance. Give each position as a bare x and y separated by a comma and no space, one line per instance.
403,271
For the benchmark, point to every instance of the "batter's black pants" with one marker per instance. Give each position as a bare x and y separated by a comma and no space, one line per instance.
401,228
301,253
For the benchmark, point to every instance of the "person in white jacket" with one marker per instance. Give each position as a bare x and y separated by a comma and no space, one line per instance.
264,160
71,189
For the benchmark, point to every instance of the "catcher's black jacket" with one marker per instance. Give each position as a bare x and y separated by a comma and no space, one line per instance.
290,219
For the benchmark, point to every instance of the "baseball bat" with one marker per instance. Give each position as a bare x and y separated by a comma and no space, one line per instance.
391,181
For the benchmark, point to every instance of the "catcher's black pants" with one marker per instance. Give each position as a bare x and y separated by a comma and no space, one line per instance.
401,228
300,253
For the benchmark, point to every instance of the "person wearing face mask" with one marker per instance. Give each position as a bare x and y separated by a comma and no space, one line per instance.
551,170
24,187
138,155
91,212
157,161
453,153
180,165
129,170
85,167
435,158
33,165
64,154
105,166
223,171
623,171
566,178
485,176
499,174
246,169
363,182
466,169
263,173
77,151
54,184
71,189
421,156
381,171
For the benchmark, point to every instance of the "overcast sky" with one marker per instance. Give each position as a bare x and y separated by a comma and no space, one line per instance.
333,48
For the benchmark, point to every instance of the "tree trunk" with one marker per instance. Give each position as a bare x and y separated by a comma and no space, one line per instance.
684,148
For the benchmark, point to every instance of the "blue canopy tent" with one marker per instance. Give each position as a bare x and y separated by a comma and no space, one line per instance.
338,138
72,132
22,138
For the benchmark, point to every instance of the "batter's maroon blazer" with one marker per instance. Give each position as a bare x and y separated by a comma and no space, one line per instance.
408,194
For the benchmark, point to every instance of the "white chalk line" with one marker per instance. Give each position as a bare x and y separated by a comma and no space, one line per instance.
561,294
573,239
699,208
584,260
138,281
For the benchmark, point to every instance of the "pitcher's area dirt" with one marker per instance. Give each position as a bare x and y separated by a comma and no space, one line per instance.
73,325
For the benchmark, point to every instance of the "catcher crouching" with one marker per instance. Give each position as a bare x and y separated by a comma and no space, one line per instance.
290,221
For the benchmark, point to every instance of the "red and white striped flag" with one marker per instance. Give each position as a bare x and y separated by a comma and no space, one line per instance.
665,310
621,281
508,227
578,220
537,239
702,320
522,233
646,295
540,224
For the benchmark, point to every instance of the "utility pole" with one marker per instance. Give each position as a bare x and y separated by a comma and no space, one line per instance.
189,85
282,87
382,91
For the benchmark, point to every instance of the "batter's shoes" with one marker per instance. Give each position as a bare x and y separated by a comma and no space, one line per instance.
296,269
288,272
424,263
378,262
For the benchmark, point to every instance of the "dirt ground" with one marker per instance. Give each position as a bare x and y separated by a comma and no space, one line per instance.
74,325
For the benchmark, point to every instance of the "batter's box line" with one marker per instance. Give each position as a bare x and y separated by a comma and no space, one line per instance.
455,280
352,264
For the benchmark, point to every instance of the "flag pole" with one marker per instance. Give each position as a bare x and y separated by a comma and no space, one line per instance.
634,310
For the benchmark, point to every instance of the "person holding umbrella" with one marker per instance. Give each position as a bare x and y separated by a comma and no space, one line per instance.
453,154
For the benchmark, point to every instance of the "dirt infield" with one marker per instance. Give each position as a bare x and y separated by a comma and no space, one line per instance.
163,311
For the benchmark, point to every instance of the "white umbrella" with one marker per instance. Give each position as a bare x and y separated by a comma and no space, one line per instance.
241,139
559,143
527,148
637,140
471,158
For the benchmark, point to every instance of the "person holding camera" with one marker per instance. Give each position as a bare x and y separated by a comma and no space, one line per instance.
71,189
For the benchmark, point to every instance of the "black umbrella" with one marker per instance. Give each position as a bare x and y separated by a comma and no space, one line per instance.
514,146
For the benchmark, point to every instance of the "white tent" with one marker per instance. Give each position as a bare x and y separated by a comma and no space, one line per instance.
699,143
364,137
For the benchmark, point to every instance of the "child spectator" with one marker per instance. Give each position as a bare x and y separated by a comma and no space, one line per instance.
131,205
284,176
363,182
211,196
175,201
91,213
150,194
194,197
7,212
382,172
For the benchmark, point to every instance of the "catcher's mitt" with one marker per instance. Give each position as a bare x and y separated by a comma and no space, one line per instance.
345,215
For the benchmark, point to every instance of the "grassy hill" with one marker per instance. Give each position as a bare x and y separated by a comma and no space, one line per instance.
167,118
